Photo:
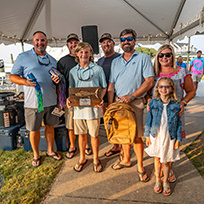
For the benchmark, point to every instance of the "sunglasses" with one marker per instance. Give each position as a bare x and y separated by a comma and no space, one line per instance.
89,78
128,39
43,61
168,54
166,87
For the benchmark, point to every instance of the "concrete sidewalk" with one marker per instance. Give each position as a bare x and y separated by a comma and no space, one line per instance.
123,186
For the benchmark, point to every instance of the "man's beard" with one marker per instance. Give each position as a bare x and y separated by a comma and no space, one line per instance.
107,52
40,50
128,49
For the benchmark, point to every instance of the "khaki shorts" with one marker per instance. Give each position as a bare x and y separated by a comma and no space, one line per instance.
197,77
34,119
69,121
138,106
83,126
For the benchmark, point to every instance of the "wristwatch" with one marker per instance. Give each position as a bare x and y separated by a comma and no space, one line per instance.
185,103
132,97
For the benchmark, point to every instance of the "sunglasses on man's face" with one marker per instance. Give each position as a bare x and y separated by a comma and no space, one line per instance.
128,39
167,55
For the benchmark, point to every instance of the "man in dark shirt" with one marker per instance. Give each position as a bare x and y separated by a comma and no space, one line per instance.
107,44
64,65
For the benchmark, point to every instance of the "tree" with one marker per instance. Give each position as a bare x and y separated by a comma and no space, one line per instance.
150,51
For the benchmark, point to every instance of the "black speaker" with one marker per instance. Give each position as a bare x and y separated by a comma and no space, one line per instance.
90,35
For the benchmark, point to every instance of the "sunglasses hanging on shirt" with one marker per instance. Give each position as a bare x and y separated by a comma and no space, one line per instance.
79,75
44,60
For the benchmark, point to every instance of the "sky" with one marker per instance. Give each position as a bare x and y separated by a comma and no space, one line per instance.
15,49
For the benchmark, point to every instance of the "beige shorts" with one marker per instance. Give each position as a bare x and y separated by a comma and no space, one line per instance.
197,77
34,119
82,126
138,106
69,121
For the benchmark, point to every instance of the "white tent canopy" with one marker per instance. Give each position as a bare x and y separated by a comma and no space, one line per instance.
153,20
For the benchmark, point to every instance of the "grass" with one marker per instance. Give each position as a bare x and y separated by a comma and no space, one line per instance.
195,152
22,182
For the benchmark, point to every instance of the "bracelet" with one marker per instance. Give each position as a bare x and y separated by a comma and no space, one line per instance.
132,97
184,102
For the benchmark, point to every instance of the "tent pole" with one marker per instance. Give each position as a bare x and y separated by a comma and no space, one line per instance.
22,46
188,52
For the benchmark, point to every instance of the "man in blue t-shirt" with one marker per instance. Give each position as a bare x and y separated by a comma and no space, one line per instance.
180,62
107,45
38,62
130,78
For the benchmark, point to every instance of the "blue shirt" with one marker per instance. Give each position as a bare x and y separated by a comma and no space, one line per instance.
29,62
181,65
153,120
129,75
97,78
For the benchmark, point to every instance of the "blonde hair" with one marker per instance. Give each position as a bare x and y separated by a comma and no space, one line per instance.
157,65
172,95
81,46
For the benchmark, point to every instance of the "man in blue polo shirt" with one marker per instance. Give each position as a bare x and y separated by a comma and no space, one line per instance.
38,62
180,62
131,77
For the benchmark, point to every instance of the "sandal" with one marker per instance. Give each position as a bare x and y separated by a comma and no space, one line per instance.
158,187
88,151
36,162
79,166
55,156
166,189
70,154
119,166
144,176
172,177
95,167
121,156
111,152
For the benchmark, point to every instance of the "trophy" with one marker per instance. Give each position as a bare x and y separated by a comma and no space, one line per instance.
85,96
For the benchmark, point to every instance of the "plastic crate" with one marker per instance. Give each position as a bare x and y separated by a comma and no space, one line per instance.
60,143
8,137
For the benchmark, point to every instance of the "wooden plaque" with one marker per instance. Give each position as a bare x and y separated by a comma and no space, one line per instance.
85,96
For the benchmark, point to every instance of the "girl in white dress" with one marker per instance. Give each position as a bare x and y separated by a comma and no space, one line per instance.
163,131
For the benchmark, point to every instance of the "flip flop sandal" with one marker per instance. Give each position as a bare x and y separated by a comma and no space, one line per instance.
142,174
158,187
121,156
79,166
111,153
88,151
55,156
72,153
172,177
36,162
95,167
119,166
166,189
